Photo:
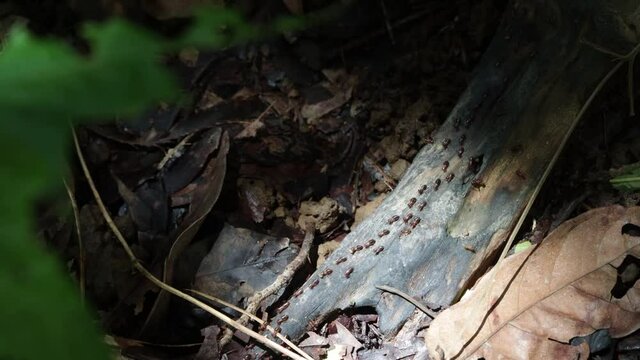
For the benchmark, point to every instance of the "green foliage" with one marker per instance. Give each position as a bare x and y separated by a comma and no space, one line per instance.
628,179
45,84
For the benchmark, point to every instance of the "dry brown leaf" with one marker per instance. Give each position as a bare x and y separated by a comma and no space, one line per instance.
344,337
204,195
561,290
251,129
341,85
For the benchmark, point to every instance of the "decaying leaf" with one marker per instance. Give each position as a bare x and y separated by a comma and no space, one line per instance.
242,262
209,348
314,340
344,337
533,303
204,195
341,85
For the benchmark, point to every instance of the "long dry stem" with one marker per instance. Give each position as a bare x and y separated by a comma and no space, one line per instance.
81,255
138,266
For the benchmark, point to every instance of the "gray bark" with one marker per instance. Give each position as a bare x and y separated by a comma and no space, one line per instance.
530,86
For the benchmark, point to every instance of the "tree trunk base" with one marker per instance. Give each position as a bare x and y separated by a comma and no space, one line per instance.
463,195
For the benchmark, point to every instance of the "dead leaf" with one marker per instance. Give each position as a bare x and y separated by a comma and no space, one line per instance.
314,340
338,352
280,103
561,289
315,346
209,100
205,195
209,348
344,337
340,85
256,198
251,129
242,262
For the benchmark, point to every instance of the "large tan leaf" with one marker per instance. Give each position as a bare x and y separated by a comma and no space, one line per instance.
556,291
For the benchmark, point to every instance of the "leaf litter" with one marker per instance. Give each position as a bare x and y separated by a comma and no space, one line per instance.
532,304
304,148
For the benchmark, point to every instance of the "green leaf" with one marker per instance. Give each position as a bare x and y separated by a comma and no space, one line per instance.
44,85
522,246
42,317
628,178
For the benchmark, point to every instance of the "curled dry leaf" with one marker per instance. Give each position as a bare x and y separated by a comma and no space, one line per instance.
341,85
204,194
532,304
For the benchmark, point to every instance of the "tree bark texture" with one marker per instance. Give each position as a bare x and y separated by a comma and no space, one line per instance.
459,201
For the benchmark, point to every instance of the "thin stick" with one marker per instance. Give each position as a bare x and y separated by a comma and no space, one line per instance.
282,280
81,255
136,264
630,58
387,23
432,314
632,103
252,317
526,209
555,157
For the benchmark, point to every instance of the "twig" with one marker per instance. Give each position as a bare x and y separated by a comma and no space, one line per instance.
138,266
630,59
252,317
526,209
81,255
391,184
554,159
387,23
244,133
432,314
282,280
174,152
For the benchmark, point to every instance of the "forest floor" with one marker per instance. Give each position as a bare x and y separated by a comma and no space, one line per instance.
321,124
